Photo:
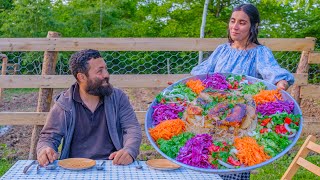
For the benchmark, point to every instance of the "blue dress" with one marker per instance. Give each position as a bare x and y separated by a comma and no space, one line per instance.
257,62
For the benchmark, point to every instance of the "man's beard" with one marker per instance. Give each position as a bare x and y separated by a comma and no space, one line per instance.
95,87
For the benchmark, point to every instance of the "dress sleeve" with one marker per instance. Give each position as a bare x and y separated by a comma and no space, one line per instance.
208,65
269,69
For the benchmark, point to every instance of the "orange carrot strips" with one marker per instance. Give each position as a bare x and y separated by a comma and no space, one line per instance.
267,96
195,85
167,129
249,151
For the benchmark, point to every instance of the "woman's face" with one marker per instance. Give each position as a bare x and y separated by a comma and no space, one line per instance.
239,26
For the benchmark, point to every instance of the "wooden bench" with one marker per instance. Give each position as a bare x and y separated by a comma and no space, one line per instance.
53,44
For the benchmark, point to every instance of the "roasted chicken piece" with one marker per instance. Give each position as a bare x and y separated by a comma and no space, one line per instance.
218,111
251,115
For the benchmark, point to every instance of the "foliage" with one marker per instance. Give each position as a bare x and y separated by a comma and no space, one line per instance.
150,18
5,163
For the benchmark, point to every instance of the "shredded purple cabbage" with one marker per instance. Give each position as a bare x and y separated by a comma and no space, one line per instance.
216,81
166,111
195,152
278,106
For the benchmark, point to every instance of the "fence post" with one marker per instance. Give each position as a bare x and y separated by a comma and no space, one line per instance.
45,94
303,67
4,59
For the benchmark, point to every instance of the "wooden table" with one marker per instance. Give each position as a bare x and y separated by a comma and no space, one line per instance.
110,172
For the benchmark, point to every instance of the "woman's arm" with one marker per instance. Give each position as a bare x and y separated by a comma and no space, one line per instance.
270,70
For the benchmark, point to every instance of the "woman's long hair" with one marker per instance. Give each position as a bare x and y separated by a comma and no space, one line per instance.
254,16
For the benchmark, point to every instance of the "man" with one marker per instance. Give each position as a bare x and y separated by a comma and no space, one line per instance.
94,119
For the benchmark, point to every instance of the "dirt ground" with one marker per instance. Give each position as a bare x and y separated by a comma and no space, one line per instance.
18,138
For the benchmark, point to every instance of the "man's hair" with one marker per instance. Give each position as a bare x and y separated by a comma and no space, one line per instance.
254,16
78,62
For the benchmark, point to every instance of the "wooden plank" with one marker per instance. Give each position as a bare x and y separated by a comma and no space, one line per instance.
309,166
314,58
121,81
143,44
303,152
314,147
310,91
23,118
301,79
39,118
64,81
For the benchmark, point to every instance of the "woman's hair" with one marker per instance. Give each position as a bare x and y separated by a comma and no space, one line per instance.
254,16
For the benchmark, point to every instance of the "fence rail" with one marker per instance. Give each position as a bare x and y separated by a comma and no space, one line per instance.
143,44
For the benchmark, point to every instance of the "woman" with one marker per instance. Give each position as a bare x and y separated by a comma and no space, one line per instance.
243,54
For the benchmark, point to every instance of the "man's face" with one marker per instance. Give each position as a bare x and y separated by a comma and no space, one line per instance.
98,78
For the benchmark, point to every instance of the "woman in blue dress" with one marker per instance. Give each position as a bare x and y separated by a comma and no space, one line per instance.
243,54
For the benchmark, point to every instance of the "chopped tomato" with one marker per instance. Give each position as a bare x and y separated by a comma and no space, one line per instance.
233,161
280,129
214,148
287,120
163,101
297,123
263,130
169,83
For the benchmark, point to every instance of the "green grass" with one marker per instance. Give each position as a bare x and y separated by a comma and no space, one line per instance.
278,167
5,163
146,147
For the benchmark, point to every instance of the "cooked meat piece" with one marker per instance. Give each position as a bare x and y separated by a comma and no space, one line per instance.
251,115
219,94
205,96
217,111
194,110
236,115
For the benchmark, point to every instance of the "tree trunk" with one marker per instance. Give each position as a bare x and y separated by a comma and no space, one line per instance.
203,25
45,94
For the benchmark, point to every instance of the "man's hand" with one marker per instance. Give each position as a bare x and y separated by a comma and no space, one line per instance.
121,157
282,84
46,155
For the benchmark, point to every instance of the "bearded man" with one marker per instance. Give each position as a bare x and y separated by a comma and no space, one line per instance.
94,119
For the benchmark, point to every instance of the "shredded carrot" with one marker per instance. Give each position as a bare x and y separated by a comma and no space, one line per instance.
249,151
267,96
167,129
195,85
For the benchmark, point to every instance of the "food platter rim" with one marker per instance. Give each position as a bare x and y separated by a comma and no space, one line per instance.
225,171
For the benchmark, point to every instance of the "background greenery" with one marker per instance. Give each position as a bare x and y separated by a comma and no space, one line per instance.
150,18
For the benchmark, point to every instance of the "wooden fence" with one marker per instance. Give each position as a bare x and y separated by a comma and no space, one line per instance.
53,44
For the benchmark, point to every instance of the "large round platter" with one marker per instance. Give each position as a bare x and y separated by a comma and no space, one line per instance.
149,124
